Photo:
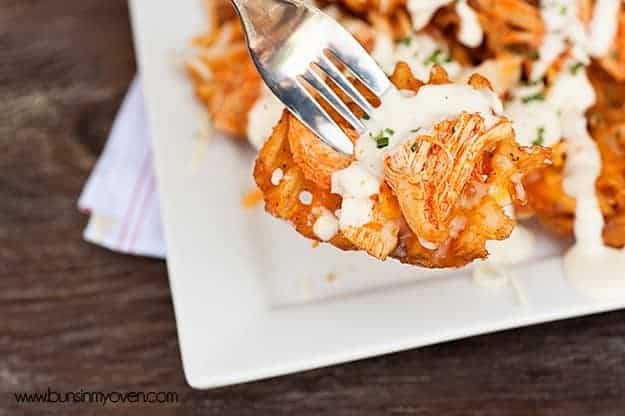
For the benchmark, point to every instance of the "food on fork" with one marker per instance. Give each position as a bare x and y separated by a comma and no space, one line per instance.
435,177
558,67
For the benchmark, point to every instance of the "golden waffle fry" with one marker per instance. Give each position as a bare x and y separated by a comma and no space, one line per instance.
444,194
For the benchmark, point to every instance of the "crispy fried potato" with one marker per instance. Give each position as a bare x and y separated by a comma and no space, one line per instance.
226,81
510,25
444,194
316,159
556,210
283,200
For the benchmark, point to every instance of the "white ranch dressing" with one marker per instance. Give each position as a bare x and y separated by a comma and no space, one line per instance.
419,50
263,116
276,176
534,120
563,27
326,226
517,247
406,115
470,33
422,11
593,268
355,185
544,117
496,271
603,26
305,197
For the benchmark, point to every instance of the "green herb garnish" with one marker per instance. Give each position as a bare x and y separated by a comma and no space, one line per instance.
529,83
381,142
382,138
576,67
405,41
366,116
533,55
615,54
413,148
563,10
540,138
437,57
536,97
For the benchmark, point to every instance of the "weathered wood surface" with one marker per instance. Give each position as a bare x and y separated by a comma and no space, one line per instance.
76,316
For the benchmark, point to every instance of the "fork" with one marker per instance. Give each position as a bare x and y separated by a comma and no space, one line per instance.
293,45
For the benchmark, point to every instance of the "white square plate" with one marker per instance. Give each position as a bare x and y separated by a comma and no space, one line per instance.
252,298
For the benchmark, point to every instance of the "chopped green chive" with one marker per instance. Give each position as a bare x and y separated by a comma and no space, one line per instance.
405,41
536,97
366,116
530,83
382,138
563,10
540,138
533,55
381,142
615,54
576,67
413,148
437,57
415,130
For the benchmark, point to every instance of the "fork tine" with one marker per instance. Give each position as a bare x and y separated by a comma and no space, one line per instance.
333,72
360,63
326,92
310,112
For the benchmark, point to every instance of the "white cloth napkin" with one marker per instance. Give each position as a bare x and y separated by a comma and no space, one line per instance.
120,195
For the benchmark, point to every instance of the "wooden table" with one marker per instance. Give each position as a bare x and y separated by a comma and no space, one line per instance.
75,316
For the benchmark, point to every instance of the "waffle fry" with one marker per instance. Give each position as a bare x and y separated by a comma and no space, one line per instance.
514,31
449,189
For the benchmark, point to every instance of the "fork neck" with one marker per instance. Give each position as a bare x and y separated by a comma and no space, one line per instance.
268,19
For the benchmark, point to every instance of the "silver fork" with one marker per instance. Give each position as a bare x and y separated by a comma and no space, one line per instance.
286,39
